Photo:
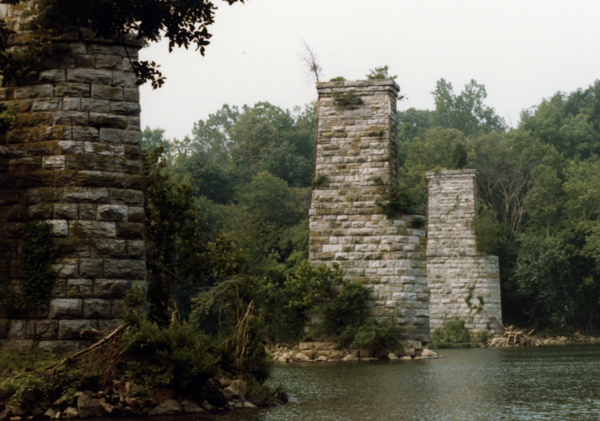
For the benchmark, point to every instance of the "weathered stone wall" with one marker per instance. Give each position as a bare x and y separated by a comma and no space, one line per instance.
355,164
459,277
75,161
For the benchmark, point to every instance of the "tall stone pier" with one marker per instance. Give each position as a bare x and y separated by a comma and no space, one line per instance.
74,161
463,283
356,164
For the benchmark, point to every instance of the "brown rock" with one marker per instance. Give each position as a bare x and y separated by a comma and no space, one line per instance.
239,386
168,407
161,395
192,408
89,407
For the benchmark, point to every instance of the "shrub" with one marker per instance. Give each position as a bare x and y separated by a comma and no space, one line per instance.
348,308
347,100
396,202
262,395
483,336
453,331
376,336
176,357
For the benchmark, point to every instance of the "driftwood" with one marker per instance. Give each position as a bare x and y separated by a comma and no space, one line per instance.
512,336
97,345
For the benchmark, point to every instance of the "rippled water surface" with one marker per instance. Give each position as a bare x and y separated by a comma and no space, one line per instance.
547,383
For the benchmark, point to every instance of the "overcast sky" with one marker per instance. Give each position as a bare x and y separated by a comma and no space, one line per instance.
521,50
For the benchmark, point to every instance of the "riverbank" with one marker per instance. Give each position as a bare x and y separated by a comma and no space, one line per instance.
332,352
133,371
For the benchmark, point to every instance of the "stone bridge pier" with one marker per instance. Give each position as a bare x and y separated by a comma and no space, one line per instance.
463,283
74,161
355,165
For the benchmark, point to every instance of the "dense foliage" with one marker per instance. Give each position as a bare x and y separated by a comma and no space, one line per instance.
38,254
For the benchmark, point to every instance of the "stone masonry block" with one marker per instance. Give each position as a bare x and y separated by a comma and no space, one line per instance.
125,108
120,136
95,105
70,329
111,288
130,231
96,308
91,268
73,247
87,211
36,91
123,79
91,76
111,248
66,308
108,120
42,330
92,229
113,93
100,179
81,90
17,329
72,104
126,197
65,211
136,214
80,288
125,269
136,249
86,195
117,213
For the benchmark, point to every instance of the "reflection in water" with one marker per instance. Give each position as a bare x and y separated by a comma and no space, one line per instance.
549,383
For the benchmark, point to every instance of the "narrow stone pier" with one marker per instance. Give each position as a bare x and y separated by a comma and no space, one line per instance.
356,164
74,161
463,283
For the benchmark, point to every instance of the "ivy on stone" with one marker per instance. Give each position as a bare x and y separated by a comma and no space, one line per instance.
38,254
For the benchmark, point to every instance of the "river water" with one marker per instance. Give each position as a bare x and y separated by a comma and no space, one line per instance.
545,383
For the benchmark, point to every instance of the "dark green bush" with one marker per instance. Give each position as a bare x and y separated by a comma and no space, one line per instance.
38,253
348,308
395,203
263,395
176,357
346,100
486,235
377,335
453,331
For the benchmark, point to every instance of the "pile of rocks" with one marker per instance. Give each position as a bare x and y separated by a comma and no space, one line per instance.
563,340
332,351
115,402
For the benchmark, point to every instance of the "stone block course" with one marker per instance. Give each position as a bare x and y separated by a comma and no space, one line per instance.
75,159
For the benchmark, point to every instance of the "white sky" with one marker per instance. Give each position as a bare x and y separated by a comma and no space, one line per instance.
521,50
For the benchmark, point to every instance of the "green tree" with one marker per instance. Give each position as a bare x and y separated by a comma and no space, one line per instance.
465,112
570,123
153,138
177,248
380,73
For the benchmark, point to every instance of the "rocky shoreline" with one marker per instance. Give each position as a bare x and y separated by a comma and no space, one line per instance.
564,340
332,351
226,394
